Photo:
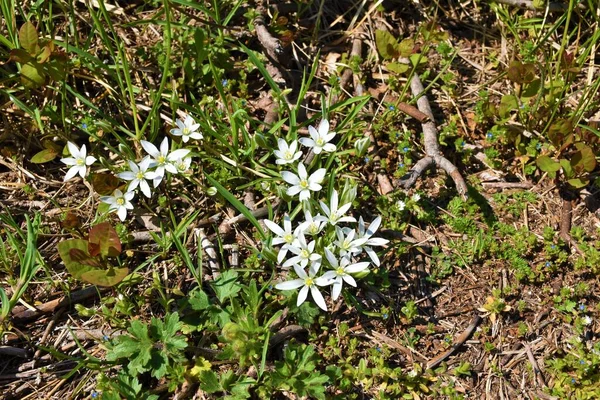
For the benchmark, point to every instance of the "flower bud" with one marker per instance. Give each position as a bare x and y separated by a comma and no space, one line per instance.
361,146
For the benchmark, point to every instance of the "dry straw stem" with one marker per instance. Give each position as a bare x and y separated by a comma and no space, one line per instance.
433,155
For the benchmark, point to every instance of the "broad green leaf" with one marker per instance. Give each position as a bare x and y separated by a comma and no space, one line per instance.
32,75
585,157
578,183
547,164
508,104
105,183
44,54
521,73
387,45
226,285
397,67
44,156
104,240
20,56
74,267
28,38
405,48
559,130
199,300
209,382
105,277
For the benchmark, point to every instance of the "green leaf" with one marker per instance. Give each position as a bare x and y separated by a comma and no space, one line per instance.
585,157
226,285
104,240
105,277
387,45
32,75
578,183
20,56
547,164
508,104
28,38
45,54
198,300
559,130
521,73
237,204
209,382
405,48
397,67
71,260
44,156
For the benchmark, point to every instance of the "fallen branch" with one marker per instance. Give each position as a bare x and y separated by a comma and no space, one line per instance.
459,342
433,155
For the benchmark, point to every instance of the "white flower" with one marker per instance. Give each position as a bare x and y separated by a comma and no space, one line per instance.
306,282
163,160
304,252
370,241
335,214
401,205
302,183
341,272
587,320
416,197
286,154
119,202
311,225
187,129
79,162
284,236
346,243
138,175
183,164
319,139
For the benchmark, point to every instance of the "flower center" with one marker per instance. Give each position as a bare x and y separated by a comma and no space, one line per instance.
120,201
288,155
185,131
80,161
309,281
161,159
304,184
139,175
346,245
305,254
340,271
289,238
320,142
313,229
334,216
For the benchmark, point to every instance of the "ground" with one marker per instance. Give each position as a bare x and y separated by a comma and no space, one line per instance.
487,286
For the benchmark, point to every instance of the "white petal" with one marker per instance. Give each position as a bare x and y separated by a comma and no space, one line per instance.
82,170
323,127
337,289
293,190
353,268
377,242
313,132
300,272
69,161
331,258
176,131
164,146
71,172
318,297
290,177
307,142
374,225
302,174
126,175
178,154
304,195
89,160
290,285
122,213
73,149
273,227
150,148
329,147
107,199
302,295
281,255
318,175
349,280
145,188
372,255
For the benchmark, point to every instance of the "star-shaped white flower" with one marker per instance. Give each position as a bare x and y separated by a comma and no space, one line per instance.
311,225
341,272
367,234
162,159
286,154
346,242
119,202
78,162
138,174
319,139
183,164
284,236
187,129
304,252
335,214
302,183
306,282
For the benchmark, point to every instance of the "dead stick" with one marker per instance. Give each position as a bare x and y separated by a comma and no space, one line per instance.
412,111
432,148
459,342
534,365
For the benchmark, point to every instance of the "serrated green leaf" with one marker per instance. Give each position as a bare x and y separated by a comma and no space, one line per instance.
44,156
199,300
209,382
28,38
226,285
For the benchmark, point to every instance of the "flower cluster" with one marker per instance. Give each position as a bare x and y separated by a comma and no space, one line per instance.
152,167
320,250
